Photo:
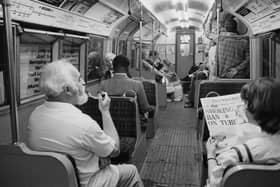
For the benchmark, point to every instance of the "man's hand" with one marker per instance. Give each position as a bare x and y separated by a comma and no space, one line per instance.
104,102
211,146
232,72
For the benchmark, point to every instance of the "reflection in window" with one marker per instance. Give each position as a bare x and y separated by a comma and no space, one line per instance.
71,51
32,58
95,63
233,57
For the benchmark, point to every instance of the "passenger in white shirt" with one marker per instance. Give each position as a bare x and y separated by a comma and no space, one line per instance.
58,126
212,61
261,98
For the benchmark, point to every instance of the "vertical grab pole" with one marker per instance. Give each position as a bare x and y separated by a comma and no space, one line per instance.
6,4
153,30
218,6
140,39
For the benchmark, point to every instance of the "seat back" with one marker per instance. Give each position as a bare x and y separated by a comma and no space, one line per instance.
124,112
125,115
91,108
222,87
150,88
151,91
246,175
20,166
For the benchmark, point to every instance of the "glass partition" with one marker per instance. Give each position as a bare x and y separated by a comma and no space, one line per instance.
95,58
32,58
233,57
35,51
71,50
3,70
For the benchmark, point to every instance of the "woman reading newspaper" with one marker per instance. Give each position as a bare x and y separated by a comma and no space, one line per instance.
262,109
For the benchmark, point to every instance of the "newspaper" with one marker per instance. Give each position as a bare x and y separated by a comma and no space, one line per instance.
226,118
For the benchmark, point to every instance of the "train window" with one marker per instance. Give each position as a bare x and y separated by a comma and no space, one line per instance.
233,56
269,52
70,49
122,47
35,50
277,55
95,62
3,70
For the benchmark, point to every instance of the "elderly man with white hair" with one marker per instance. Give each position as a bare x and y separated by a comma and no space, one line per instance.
58,126
108,65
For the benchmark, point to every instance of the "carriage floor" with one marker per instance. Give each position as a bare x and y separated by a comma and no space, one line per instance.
173,158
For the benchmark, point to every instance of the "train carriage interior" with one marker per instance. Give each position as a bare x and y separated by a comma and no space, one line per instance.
185,54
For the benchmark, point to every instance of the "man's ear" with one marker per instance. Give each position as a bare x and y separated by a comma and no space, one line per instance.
68,90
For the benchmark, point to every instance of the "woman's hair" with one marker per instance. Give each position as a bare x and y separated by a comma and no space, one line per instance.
56,76
262,99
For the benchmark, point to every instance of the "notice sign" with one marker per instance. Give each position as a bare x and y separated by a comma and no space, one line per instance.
224,114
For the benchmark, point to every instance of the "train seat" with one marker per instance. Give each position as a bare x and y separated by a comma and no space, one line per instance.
218,87
221,86
244,175
20,166
124,112
151,91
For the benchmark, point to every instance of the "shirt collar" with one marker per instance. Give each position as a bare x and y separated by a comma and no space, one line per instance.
61,105
124,75
228,34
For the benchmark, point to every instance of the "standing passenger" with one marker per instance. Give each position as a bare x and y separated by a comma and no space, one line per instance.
58,126
233,53
212,60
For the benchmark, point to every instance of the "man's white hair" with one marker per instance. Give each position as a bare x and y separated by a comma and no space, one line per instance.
56,76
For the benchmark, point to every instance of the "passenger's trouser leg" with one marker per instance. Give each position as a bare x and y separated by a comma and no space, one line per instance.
192,90
129,176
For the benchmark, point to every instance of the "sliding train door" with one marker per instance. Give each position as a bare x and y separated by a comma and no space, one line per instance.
185,52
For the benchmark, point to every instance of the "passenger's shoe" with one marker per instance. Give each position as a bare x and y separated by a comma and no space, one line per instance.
169,100
188,105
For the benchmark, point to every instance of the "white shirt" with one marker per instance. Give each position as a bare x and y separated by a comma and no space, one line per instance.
212,62
264,149
61,127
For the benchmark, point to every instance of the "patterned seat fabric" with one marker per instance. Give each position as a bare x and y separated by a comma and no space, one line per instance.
124,114
150,90
222,87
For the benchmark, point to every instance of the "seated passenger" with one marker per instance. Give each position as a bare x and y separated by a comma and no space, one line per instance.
94,66
120,83
200,74
58,126
155,61
262,109
108,65
148,66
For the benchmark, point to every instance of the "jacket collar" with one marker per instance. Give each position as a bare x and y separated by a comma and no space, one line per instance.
120,75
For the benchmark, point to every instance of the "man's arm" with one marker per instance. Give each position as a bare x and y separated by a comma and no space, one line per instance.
108,124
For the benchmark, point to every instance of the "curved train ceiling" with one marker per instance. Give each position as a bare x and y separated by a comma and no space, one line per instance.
180,13
105,17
